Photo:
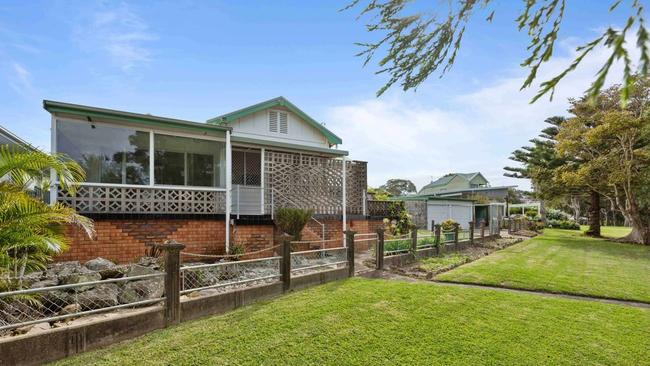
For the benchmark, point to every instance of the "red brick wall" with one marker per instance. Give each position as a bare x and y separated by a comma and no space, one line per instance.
123,240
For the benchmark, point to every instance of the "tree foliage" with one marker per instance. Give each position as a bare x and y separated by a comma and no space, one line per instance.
604,149
416,44
399,187
31,231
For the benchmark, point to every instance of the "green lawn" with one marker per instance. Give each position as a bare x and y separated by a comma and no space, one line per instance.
610,231
380,322
564,261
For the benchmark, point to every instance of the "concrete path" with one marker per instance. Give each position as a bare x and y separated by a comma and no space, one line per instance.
387,275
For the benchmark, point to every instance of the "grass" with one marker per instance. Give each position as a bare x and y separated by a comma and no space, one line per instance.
614,232
379,322
564,261
435,264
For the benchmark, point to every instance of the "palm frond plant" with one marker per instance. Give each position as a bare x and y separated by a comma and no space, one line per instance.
31,231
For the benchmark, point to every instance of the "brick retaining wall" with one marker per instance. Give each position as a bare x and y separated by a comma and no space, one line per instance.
124,240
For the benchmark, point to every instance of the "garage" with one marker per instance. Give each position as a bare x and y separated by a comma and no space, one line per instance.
439,210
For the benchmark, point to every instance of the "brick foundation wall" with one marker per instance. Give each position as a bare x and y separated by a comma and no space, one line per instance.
124,240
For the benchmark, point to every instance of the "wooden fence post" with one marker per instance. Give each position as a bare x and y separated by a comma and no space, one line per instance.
349,239
439,242
433,227
379,255
414,240
456,227
285,269
482,231
471,233
172,252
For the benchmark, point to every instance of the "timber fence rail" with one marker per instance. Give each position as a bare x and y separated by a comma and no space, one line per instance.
407,248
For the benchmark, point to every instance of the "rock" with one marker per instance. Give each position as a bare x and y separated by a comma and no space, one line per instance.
39,328
45,283
100,296
55,300
142,290
70,309
133,270
63,269
83,275
152,262
99,264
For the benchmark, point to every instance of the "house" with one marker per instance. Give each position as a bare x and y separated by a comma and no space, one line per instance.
464,185
453,196
9,138
207,184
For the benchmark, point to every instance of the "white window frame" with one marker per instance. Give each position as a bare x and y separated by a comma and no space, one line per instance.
152,132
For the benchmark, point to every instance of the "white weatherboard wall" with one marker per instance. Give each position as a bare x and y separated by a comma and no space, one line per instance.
299,132
461,212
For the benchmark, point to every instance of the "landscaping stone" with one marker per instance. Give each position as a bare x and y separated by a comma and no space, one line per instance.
101,296
133,270
70,309
99,264
152,262
141,290
38,328
45,283
83,275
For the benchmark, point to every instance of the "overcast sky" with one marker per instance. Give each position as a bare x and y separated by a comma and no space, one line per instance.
197,59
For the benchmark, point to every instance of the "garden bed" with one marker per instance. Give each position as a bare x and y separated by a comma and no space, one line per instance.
427,268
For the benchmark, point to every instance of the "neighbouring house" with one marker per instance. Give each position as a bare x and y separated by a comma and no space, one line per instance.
453,196
9,138
207,185
464,185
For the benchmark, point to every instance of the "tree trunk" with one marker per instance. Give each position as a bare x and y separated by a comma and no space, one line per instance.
639,235
594,214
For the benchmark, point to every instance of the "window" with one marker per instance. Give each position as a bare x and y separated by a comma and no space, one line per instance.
107,154
273,121
184,161
278,122
246,168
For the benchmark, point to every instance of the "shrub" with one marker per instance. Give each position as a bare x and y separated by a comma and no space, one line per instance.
401,222
448,224
553,214
563,224
236,249
292,220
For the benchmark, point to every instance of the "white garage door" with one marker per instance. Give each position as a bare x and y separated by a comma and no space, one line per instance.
461,212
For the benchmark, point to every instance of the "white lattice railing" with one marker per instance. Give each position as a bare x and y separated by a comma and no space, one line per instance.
120,199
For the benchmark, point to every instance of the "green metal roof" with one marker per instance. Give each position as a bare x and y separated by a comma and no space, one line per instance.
426,197
227,118
144,119
284,145
444,180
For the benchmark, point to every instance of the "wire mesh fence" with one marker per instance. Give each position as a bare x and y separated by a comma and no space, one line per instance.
463,234
448,236
229,273
426,241
55,303
317,260
397,244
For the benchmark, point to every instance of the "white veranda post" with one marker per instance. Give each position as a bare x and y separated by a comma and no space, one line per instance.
228,188
344,196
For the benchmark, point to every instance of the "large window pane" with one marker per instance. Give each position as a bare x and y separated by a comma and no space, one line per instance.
189,161
108,154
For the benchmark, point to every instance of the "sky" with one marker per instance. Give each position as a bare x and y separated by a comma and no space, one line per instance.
194,60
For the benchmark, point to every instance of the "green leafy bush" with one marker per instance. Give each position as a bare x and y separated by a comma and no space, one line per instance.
400,222
292,220
563,224
448,224
553,214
